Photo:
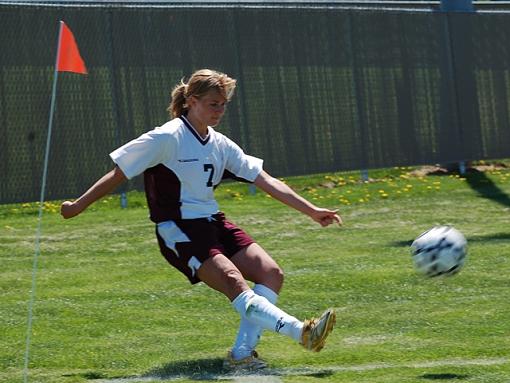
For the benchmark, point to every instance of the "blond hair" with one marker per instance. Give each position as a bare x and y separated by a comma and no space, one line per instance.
200,82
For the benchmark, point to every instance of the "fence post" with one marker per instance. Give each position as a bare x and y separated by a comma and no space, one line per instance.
455,6
112,67
364,175
357,82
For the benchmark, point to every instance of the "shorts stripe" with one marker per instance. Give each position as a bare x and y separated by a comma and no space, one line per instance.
187,244
171,234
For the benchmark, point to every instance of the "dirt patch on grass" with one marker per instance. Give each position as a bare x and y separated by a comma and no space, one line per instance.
470,167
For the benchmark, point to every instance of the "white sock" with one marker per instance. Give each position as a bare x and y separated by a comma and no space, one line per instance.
260,311
248,335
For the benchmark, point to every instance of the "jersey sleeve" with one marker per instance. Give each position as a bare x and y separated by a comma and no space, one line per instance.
240,164
146,151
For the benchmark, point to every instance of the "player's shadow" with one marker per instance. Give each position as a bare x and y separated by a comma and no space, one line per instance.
199,369
212,370
444,376
486,188
205,370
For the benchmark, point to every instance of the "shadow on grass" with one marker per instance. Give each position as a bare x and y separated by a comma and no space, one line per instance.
204,370
212,369
200,369
90,375
486,188
443,376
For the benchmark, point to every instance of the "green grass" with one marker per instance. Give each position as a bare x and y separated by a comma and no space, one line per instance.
108,308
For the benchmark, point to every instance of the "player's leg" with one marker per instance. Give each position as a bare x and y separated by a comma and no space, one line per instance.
311,333
220,273
248,335
260,268
257,266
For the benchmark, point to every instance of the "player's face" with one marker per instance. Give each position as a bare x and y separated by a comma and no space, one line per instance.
209,108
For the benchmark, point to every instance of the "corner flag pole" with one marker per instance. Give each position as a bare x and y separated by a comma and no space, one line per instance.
68,59
41,204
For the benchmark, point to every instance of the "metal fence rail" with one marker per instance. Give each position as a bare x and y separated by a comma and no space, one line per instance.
321,88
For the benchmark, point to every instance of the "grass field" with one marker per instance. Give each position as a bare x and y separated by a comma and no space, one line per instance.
109,309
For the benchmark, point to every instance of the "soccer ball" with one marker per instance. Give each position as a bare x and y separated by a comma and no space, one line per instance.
441,250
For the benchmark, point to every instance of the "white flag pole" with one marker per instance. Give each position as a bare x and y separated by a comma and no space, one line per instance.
41,204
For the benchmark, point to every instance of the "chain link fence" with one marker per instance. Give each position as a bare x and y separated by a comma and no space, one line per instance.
320,88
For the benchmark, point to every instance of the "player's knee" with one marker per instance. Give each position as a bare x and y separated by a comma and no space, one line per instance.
234,279
276,277
279,274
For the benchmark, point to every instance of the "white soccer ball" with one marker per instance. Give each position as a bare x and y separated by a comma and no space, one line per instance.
441,250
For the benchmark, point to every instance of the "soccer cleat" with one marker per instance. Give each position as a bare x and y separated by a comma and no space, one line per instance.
250,363
315,331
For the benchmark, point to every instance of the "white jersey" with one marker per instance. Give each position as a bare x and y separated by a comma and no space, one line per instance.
181,168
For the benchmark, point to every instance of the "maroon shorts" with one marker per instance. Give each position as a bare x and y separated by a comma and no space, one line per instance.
187,243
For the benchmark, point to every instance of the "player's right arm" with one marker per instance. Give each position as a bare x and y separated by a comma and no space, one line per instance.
103,186
131,159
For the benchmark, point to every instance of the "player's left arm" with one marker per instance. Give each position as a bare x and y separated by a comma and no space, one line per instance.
283,193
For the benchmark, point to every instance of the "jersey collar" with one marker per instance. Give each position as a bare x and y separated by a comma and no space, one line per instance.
190,127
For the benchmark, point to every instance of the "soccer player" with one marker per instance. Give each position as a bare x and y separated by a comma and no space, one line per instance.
182,162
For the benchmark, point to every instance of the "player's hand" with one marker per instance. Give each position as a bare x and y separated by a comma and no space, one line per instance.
326,217
69,209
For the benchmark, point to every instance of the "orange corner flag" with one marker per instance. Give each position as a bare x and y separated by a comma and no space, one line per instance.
69,58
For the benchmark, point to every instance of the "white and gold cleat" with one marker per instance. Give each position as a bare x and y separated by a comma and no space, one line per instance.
316,330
